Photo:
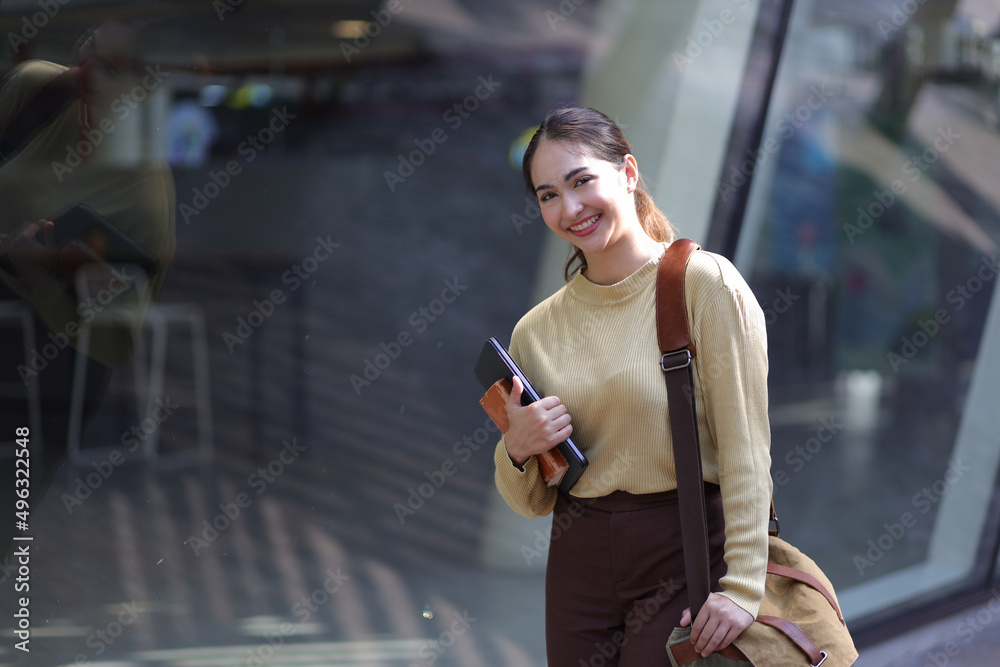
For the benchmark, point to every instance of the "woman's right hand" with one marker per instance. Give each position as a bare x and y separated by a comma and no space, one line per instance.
33,253
536,427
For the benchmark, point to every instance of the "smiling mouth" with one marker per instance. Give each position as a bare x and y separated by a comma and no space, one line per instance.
585,225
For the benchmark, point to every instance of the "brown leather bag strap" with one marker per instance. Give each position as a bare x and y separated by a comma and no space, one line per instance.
674,336
672,329
677,347
808,580
800,639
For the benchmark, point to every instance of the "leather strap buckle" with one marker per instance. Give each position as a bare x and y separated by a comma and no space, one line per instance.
676,360
822,660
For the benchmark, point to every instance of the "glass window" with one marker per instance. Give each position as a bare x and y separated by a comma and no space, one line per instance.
242,371
266,446
871,241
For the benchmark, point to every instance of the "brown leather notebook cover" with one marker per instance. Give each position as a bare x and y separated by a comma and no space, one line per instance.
552,464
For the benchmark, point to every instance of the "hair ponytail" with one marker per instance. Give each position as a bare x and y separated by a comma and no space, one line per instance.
652,219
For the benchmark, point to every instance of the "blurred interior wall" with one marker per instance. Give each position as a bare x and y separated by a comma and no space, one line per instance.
656,65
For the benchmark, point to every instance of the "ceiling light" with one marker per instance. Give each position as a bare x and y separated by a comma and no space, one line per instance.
348,29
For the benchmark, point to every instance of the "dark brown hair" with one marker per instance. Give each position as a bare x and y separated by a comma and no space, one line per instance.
600,137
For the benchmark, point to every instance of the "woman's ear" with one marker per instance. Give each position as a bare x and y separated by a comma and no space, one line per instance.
631,169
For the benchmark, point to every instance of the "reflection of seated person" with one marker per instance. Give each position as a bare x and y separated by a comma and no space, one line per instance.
80,150
77,156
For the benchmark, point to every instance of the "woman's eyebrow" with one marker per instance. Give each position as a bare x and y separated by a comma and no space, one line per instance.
567,177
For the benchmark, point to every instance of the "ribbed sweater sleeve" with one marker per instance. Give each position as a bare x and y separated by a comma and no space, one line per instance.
731,400
595,348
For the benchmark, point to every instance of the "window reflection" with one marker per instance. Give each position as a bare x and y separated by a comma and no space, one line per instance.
340,199
876,229
287,461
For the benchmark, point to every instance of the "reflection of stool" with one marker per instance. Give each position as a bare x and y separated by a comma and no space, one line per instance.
149,380
20,314
161,318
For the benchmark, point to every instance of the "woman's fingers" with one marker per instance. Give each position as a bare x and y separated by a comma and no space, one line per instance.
719,622
534,428
48,232
560,428
514,400
549,419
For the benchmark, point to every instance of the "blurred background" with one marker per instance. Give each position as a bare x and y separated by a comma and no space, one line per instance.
279,457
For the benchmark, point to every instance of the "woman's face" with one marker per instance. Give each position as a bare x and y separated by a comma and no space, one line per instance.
585,200
107,56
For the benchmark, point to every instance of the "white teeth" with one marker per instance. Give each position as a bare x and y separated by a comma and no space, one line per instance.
584,225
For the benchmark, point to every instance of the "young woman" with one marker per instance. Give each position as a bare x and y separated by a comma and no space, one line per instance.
615,577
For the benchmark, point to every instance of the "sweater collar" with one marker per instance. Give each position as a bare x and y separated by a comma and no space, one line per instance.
584,290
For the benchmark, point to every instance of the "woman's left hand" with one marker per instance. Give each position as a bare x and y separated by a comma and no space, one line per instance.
719,622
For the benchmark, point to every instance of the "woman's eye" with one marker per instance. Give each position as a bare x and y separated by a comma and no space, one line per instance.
582,180
545,197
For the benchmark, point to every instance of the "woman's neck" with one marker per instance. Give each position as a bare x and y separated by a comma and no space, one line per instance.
614,265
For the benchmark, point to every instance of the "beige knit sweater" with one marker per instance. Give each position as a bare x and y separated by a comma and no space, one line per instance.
595,348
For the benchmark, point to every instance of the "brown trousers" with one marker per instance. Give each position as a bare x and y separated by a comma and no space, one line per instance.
614,585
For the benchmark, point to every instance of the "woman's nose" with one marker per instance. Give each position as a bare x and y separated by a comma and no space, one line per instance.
571,206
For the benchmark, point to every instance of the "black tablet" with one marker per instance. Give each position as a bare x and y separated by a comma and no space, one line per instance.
495,363
84,226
